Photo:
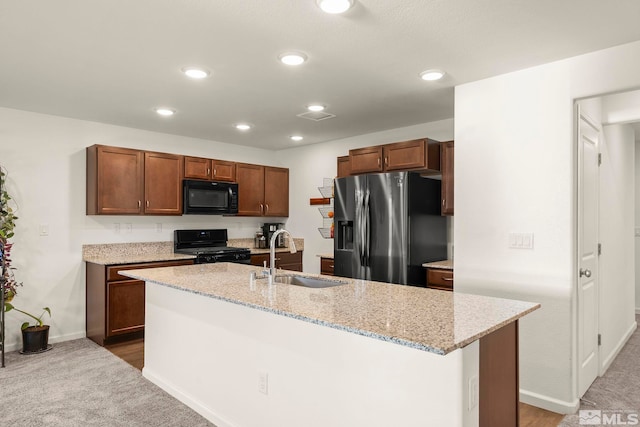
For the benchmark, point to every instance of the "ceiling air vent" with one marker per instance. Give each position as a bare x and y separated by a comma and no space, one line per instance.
316,116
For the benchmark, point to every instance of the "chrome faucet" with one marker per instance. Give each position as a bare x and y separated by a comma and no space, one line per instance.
272,251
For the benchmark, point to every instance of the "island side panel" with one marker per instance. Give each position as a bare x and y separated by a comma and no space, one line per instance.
211,354
499,369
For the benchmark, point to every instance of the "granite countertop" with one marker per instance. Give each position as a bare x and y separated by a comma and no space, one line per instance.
443,265
425,319
330,256
133,253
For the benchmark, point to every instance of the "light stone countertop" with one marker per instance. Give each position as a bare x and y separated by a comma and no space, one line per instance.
443,265
330,256
133,253
425,319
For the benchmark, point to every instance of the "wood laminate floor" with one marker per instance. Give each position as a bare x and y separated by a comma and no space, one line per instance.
530,416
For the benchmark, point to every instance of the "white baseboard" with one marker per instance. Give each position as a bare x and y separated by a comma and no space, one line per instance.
614,353
549,403
186,399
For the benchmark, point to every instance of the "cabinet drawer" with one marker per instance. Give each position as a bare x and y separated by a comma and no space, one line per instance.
112,271
284,260
326,266
440,279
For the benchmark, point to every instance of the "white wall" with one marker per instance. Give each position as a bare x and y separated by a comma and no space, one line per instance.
637,226
515,172
45,158
617,219
308,165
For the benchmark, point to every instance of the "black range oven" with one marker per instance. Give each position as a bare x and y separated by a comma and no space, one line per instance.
209,246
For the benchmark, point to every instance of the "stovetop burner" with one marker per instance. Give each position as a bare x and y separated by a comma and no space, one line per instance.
209,246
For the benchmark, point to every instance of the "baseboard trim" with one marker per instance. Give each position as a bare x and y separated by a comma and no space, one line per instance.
185,398
616,350
549,403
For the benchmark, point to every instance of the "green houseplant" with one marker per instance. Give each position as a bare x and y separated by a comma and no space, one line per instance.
35,338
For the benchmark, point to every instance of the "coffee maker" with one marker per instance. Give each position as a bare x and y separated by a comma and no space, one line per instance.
269,229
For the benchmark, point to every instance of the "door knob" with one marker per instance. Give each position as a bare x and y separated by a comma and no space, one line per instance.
585,272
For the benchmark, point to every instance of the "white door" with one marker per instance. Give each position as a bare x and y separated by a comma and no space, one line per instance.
588,181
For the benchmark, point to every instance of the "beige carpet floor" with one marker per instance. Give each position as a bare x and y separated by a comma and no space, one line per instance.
79,383
616,394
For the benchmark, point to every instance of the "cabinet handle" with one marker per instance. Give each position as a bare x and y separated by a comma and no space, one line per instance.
215,171
208,171
331,266
278,259
147,203
443,201
386,161
261,209
266,211
139,204
378,161
446,279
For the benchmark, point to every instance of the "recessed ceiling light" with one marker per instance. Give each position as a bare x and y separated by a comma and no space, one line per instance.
297,138
335,6
292,58
165,111
315,107
243,126
196,73
431,75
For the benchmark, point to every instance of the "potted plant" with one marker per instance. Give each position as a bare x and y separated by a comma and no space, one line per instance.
35,338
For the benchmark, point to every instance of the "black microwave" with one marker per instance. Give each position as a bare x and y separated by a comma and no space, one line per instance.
209,197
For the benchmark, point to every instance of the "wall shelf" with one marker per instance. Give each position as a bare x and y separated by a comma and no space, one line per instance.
326,210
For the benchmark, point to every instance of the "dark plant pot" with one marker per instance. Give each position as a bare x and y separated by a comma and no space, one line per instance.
35,339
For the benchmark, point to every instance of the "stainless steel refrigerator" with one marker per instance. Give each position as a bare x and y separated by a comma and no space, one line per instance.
386,226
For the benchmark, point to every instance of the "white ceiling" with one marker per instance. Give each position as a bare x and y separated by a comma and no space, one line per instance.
113,61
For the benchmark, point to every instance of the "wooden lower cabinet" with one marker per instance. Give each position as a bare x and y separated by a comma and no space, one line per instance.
438,278
326,266
115,303
284,260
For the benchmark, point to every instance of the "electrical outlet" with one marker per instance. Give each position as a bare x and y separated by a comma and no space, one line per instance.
473,392
521,240
263,382
44,229
129,227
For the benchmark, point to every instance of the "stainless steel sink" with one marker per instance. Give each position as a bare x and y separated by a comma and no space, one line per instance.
306,281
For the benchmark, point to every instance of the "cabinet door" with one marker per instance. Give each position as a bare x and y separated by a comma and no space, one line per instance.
405,155
276,191
344,166
447,177
223,170
125,313
197,168
114,181
368,159
163,184
250,179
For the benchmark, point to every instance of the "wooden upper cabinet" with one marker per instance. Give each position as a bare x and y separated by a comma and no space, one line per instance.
262,190
409,155
250,180
344,166
223,170
163,183
419,155
210,169
447,177
365,160
276,191
197,168
114,180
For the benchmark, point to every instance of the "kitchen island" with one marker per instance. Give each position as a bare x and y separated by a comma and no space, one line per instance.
245,353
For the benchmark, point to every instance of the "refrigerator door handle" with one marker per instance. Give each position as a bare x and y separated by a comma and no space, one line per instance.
367,229
358,230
